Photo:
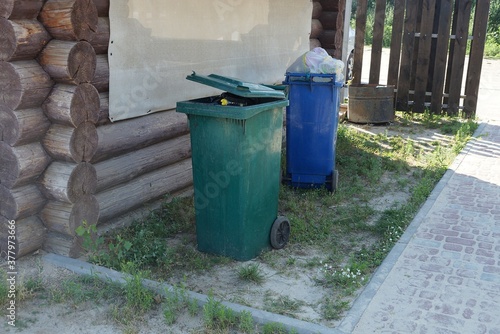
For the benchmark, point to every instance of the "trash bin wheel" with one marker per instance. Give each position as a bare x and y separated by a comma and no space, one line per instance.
280,232
334,182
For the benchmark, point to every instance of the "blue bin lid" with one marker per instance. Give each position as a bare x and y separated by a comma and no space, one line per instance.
237,86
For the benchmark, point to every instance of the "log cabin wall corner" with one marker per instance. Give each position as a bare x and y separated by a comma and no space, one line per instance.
61,160
327,26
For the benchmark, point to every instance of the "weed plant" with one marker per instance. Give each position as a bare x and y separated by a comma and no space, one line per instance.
353,233
282,304
218,318
276,328
176,301
4,288
251,273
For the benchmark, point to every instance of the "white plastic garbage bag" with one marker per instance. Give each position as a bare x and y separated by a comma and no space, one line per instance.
318,61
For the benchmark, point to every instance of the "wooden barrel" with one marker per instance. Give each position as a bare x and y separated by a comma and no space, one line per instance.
370,103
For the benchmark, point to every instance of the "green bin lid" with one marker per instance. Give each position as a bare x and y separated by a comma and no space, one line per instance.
236,86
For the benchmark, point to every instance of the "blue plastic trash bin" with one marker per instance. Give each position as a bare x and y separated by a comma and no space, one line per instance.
311,130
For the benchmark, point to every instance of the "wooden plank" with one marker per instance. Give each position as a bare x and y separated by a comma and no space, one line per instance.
424,50
378,37
397,36
445,14
359,41
476,58
407,55
415,49
451,52
460,46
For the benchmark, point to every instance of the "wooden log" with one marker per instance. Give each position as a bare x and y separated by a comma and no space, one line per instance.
141,213
64,217
131,195
101,77
102,7
21,165
333,5
30,235
100,42
70,20
314,43
21,202
72,105
134,134
317,9
331,39
126,167
23,84
7,122
71,144
67,181
316,28
20,9
21,39
69,62
61,244
332,20
104,111
21,127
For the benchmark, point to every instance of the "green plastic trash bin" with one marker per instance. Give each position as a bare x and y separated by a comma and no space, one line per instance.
236,151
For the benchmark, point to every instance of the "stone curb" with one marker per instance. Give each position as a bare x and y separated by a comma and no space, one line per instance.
259,316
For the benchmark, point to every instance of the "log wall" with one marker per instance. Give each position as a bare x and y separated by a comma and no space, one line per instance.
327,26
24,86
62,161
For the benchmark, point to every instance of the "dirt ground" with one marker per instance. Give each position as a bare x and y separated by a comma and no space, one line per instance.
282,283
37,315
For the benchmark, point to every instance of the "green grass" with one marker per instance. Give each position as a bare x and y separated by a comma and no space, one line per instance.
251,273
349,229
282,304
217,317
492,45
4,288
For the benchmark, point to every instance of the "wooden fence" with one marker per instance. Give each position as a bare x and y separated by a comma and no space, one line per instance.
428,52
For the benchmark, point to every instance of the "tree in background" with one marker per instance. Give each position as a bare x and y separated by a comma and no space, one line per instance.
494,21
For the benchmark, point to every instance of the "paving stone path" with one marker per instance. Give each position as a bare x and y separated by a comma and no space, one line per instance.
444,274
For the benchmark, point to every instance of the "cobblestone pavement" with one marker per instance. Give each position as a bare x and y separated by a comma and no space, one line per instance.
444,274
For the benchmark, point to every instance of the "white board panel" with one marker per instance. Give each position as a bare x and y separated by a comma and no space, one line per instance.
155,44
